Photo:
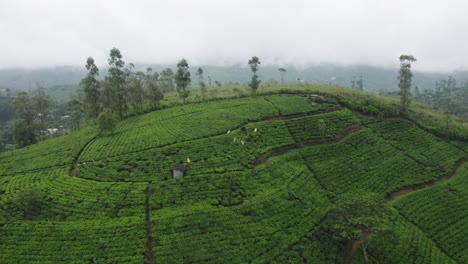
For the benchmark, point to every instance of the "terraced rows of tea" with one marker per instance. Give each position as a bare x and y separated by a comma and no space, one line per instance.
261,174
104,240
442,213
59,151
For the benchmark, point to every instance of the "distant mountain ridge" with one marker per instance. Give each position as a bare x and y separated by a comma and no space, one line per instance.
374,78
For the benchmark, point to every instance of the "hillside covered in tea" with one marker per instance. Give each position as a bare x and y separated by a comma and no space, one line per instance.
261,175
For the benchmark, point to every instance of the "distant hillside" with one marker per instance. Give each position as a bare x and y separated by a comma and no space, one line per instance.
374,78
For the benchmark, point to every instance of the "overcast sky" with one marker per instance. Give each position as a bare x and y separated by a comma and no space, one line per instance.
66,32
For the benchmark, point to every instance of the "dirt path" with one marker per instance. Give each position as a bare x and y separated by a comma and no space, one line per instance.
75,162
408,189
149,238
281,150
75,167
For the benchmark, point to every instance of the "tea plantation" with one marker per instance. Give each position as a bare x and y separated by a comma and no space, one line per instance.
262,172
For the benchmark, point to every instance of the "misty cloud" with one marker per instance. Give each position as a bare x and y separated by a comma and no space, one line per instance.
44,33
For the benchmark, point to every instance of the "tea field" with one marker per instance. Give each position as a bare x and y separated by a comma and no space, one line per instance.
262,172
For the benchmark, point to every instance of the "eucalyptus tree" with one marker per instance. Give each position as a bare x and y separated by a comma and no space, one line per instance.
24,108
166,80
90,85
136,89
405,76
116,80
201,82
129,76
76,107
24,127
41,103
182,79
106,94
153,89
255,81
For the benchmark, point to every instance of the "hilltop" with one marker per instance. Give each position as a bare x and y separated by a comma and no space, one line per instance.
262,173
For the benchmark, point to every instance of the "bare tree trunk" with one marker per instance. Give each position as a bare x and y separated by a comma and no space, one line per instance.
364,250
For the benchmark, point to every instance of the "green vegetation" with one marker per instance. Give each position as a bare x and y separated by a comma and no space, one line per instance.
255,82
90,86
182,79
358,217
264,173
55,152
106,121
404,77
442,213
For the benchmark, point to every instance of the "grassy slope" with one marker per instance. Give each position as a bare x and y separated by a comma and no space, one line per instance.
226,209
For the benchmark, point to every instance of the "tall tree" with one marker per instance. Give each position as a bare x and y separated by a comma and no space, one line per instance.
24,128
166,80
201,82
41,103
24,108
116,80
107,94
405,76
255,82
136,85
182,79
282,71
24,134
106,121
154,92
90,86
75,106
7,111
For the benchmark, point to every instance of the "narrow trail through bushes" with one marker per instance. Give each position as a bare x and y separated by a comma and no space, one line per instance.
281,150
456,168
75,162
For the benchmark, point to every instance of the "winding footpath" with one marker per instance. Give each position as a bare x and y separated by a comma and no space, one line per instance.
75,162
281,150
456,168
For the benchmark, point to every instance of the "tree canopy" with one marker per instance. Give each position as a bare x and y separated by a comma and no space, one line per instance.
358,217
404,77
182,79
255,81
107,121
